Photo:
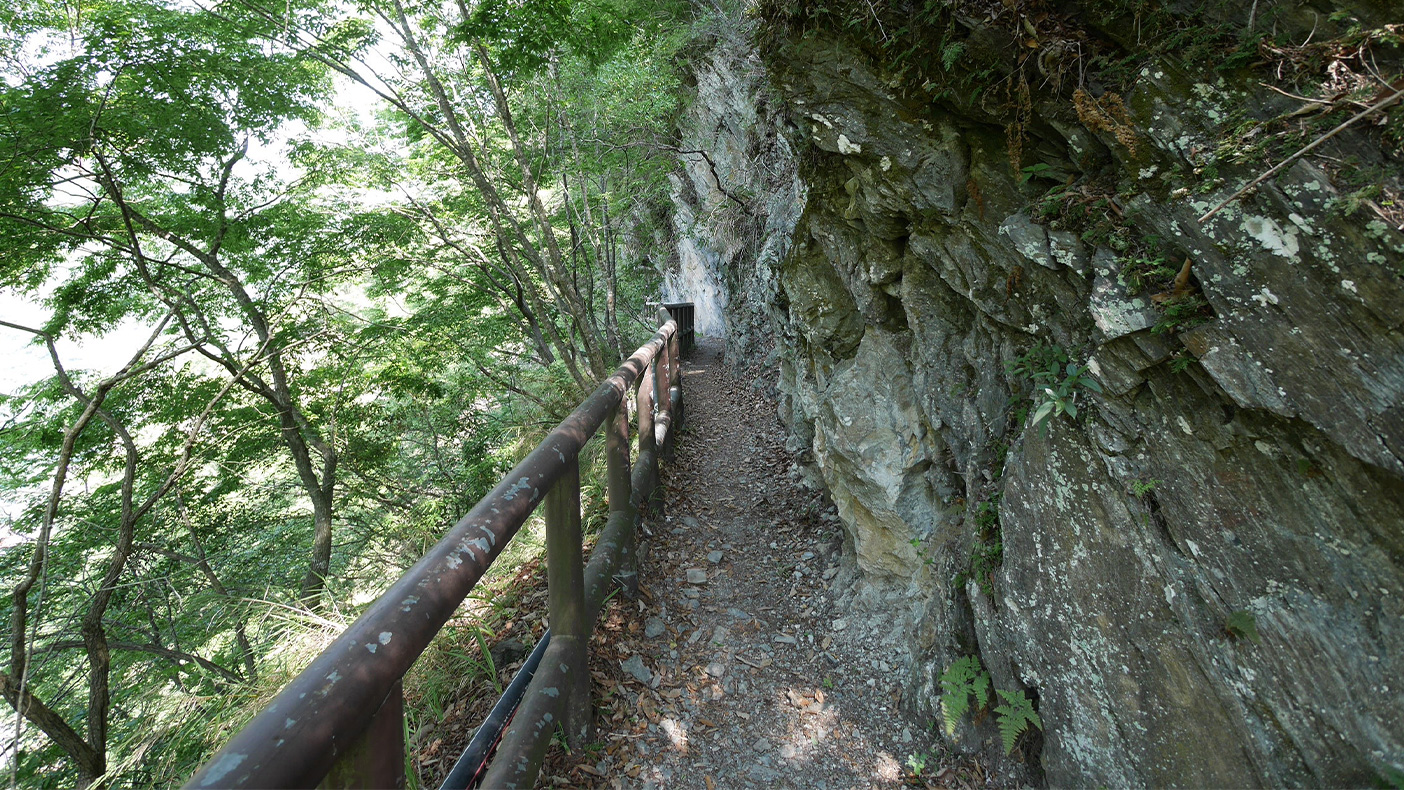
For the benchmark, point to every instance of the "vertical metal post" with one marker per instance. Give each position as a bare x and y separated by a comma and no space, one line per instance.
565,578
647,385
621,491
675,402
663,381
659,383
646,480
617,453
377,758
670,359
675,355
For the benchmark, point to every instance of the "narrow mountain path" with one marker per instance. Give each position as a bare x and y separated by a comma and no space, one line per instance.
732,668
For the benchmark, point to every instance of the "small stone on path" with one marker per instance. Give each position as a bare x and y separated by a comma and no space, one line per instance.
635,667
840,624
696,576
691,522
716,669
714,557
654,628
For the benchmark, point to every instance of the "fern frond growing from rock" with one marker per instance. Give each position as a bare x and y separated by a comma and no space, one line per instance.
1015,716
960,680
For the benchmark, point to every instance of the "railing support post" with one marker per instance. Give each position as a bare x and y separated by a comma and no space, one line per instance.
663,381
647,433
675,400
377,758
621,492
565,578
645,479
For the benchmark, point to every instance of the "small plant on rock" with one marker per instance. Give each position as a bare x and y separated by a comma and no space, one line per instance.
965,678
1243,625
1142,487
1139,273
1183,312
987,554
916,763
950,54
1056,381
921,552
1033,171
962,679
987,551
1015,716
1392,777
1061,399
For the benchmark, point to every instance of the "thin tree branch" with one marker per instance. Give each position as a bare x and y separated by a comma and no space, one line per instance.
1377,106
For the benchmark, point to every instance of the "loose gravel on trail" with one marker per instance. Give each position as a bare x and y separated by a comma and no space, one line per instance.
733,668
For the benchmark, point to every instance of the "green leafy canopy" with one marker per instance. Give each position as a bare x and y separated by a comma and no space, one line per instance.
524,34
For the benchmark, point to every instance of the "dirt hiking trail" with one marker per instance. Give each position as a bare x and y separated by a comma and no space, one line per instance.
733,668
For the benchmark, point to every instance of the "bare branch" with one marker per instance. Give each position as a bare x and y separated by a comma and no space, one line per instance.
1377,106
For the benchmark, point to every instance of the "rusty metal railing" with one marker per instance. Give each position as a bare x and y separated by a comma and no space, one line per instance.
340,722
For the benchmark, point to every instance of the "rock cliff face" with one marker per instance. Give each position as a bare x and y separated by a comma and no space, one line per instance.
1193,565
738,195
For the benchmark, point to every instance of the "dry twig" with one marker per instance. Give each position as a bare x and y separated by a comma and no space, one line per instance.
1380,105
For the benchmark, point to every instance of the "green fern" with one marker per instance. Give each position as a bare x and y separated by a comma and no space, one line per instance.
951,53
1015,716
959,681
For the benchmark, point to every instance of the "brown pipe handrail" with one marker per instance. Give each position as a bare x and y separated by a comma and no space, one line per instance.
339,722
